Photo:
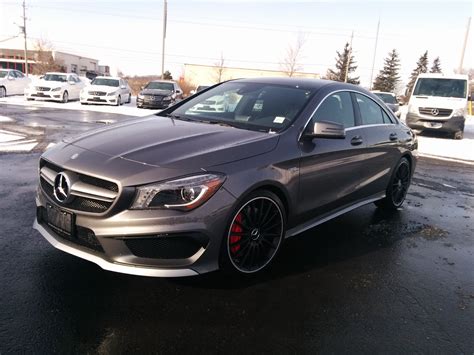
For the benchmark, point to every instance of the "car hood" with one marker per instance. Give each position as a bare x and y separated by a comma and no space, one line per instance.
163,142
49,83
104,88
156,92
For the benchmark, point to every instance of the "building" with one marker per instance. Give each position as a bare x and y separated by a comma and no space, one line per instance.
12,56
197,74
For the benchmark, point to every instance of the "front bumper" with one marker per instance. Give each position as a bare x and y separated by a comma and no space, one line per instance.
129,241
152,103
451,124
44,95
99,100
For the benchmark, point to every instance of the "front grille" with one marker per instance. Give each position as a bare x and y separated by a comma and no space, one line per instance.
430,111
97,93
155,98
165,247
42,88
80,203
82,236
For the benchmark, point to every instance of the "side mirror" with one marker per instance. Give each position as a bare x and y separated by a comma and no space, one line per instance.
326,129
72,82
123,87
142,87
11,78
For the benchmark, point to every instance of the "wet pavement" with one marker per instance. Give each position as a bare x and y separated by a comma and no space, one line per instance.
367,281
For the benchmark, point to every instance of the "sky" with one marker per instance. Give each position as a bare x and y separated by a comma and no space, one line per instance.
127,35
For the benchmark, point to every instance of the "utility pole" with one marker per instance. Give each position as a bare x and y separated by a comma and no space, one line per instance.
375,52
165,15
24,35
464,46
349,59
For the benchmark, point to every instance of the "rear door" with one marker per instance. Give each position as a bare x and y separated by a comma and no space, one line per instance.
331,169
383,138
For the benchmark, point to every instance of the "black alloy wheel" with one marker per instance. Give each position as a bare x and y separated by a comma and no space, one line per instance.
398,186
256,232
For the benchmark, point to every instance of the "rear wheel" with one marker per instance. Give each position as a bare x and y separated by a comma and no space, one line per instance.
397,187
255,233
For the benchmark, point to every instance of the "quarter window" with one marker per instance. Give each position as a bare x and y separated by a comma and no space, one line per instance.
336,108
370,112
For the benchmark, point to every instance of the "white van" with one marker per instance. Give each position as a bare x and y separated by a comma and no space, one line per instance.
439,102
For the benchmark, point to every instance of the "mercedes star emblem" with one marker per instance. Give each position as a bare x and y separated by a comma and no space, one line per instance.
435,112
62,187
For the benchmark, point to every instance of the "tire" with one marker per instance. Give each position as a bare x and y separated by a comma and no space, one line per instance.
458,135
129,98
28,99
397,187
119,101
65,97
3,92
83,103
254,235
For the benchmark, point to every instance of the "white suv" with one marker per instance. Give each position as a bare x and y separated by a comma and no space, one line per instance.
56,86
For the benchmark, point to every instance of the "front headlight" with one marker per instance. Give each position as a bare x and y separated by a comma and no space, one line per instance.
112,93
182,194
460,112
167,98
56,89
140,96
412,109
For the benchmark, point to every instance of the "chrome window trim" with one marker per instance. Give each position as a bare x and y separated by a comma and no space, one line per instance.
350,128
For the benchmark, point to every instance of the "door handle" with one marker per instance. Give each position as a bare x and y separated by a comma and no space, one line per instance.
357,140
393,137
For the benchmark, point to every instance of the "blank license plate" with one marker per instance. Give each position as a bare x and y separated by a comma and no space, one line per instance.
433,125
59,219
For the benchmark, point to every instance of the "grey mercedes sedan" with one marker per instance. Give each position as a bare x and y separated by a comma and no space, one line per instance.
201,187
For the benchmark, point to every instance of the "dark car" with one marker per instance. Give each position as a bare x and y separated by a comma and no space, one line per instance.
186,192
159,94
390,99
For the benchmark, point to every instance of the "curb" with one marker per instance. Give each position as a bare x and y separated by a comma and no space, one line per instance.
454,160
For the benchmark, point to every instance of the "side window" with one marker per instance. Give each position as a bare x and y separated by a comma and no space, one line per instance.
386,118
12,75
19,75
336,108
370,112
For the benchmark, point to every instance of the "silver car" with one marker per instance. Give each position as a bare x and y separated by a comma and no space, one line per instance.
186,192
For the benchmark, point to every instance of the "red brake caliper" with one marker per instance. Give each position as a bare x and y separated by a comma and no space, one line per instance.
236,228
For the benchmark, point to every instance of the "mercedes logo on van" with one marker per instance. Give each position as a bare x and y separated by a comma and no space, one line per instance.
62,187
435,112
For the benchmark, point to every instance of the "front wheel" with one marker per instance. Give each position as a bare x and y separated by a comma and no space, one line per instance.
3,92
65,97
458,135
119,101
397,187
255,233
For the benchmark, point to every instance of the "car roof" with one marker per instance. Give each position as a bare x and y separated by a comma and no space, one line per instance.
383,92
58,73
162,81
306,82
108,77
443,76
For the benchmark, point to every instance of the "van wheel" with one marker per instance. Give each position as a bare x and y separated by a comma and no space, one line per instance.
458,135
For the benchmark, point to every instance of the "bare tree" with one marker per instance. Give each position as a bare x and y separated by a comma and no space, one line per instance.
291,62
219,69
45,61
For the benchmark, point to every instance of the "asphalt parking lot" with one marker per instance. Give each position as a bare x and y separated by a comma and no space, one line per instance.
365,282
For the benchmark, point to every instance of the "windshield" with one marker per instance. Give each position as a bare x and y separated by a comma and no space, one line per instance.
254,106
387,98
55,77
441,87
106,82
3,74
159,86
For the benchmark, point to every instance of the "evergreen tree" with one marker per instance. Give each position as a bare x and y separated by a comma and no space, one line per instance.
167,75
436,67
421,67
388,77
339,73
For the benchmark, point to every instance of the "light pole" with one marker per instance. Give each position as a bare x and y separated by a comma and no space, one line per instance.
165,15
24,36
